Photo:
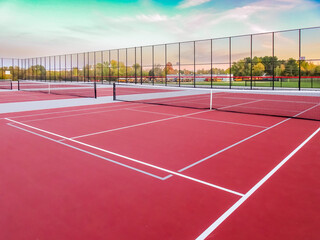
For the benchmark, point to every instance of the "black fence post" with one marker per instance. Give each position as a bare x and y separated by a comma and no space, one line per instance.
299,60
194,64
77,67
230,62
273,59
114,92
109,67
126,65
211,70
135,65
12,69
141,66
118,66
251,63
153,75
165,65
179,66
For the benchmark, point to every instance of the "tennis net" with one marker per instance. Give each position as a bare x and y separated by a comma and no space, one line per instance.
289,104
75,89
5,84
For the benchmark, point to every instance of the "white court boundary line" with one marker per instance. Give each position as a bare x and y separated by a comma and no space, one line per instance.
73,115
289,111
234,144
240,104
119,109
231,146
275,100
243,140
216,153
131,159
145,123
198,118
139,124
92,154
106,108
224,216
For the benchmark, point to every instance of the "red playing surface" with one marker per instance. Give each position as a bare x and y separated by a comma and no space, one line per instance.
286,207
56,190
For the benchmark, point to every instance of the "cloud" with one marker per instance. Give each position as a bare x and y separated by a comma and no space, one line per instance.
192,3
152,18
252,15
104,27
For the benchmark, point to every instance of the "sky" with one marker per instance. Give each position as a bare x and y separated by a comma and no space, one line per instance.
34,28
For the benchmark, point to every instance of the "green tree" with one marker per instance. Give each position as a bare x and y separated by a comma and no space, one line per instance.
169,68
242,67
317,71
279,70
219,71
291,68
258,69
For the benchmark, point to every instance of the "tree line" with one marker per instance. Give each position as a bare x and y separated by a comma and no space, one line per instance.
261,66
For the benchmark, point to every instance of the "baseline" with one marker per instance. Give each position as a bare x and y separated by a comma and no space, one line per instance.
224,216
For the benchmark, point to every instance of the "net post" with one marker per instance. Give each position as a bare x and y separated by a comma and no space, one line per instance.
95,89
11,84
211,99
18,85
114,91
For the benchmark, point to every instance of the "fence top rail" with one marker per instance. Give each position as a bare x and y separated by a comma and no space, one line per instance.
189,41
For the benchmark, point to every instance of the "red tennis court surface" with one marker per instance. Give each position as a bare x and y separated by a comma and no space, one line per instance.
136,171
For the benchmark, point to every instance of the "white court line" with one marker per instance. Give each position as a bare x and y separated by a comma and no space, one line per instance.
224,216
75,110
72,115
167,101
180,98
293,111
275,100
204,119
240,104
243,140
235,123
93,154
132,159
191,99
231,146
145,123
136,125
